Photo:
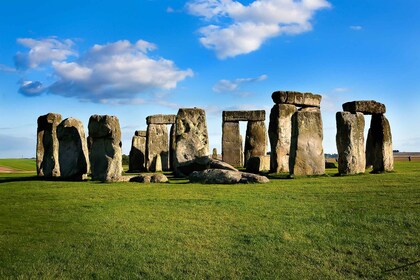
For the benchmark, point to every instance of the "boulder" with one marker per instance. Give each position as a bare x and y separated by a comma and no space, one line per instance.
256,140
367,107
105,148
137,158
73,152
161,119
258,164
253,178
380,144
149,178
280,134
191,137
202,163
350,142
232,151
249,115
220,176
157,143
299,99
47,163
306,150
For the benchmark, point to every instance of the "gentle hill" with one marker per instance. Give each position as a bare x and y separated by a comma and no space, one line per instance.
17,164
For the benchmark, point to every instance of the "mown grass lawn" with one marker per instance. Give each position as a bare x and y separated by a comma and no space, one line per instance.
365,226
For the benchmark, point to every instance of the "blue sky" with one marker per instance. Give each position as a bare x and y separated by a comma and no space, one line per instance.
134,58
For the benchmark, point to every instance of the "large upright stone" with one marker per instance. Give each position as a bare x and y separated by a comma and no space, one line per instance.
350,142
380,144
280,133
306,150
47,163
137,159
249,115
73,151
172,145
191,137
256,140
299,99
157,143
367,107
105,148
232,144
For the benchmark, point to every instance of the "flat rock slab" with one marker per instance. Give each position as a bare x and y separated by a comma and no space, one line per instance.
367,107
221,176
149,178
296,98
249,115
161,119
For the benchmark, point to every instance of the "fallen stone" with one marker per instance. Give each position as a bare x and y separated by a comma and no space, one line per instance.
73,152
258,164
47,162
219,176
253,178
256,140
105,148
280,134
202,163
350,142
161,119
149,178
367,107
191,138
299,99
251,115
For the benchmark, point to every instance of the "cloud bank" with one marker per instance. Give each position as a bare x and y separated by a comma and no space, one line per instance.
233,28
233,85
118,70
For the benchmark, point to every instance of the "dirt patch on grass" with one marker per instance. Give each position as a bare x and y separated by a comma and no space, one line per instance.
4,169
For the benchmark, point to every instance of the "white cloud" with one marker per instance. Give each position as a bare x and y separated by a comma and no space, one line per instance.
5,68
233,85
43,51
233,28
115,71
341,89
31,88
356,27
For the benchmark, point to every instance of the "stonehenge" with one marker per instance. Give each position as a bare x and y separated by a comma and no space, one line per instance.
296,134
352,157
255,139
105,148
47,163
137,157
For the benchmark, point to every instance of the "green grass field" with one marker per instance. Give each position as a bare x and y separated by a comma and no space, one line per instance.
364,226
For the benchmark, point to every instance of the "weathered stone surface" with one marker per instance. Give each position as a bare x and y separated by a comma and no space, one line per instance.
280,134
141,133
157,143
137,158
367,107
350,142
256,140
161,119
158,166
47,163
172,145
306,150
258,164
300,99
149,178
214,154
191,137
253,178
73,152
220,176
232,144
105,148
215,176
202,163
380,144
249,115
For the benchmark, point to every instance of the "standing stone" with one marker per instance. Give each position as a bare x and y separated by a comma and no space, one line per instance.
157,143
232,144
380,142
172,145
350,142
280,133
191,137
369,149
214,154
73,151
105,148
47,163
137,158
306,150
256,140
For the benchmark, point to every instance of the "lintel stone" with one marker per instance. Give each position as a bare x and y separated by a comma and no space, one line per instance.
300,99
250,115
141,133
367,107
161,119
